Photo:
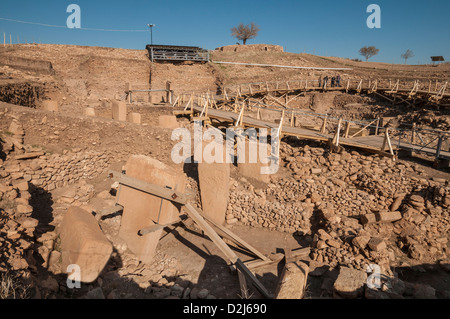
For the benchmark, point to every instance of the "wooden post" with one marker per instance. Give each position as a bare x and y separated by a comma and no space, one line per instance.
347,129
384,140
168,96
378,125
324,124
280,132
413,135
338,132
242,115
387,141
292,119
232,257
439,147
258,114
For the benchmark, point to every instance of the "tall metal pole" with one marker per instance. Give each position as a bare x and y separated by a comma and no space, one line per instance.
151,32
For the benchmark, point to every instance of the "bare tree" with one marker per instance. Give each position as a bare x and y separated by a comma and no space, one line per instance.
408,54
245,32
368,52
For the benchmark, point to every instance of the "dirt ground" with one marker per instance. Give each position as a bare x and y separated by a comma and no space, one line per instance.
187,264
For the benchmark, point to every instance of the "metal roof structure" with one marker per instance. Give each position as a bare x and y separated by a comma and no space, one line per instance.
177,53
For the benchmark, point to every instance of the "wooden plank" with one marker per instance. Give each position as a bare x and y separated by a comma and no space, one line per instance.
254,264
241,266
182,112
236,239
149,188
199,220
232,257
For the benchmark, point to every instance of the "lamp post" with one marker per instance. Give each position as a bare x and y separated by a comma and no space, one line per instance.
151,32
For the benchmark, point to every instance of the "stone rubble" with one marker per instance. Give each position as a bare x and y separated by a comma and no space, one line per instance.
353,210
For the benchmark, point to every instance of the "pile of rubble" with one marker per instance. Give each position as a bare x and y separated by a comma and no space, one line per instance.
354,210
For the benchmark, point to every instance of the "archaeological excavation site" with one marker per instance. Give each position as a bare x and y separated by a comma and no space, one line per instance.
316,190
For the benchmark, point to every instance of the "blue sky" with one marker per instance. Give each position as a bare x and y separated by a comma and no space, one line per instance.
327,28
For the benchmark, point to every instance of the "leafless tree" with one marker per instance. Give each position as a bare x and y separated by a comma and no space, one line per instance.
368,52
408,54
245,32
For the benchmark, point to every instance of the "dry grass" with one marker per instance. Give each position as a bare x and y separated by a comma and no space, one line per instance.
11,287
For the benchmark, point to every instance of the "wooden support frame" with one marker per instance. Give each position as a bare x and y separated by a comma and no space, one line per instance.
337,134
364,127
387,141
240,118
347,129
203,222
324,124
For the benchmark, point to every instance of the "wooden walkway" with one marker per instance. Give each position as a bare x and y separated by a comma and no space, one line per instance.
411,93
382,144
369,143
230,108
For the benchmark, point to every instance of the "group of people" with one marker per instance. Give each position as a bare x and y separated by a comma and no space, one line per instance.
335,81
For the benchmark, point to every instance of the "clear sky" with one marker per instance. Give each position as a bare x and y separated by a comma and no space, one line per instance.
327,28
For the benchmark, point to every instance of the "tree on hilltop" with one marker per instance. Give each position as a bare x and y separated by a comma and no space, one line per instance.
368,52
245,32
408,54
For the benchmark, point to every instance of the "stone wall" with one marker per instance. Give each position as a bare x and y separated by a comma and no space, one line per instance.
251,47
58,170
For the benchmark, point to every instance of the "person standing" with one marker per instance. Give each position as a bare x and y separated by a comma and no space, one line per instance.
325,80
332,81
320,80
338,80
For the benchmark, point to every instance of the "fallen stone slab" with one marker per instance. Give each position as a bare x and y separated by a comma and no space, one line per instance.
29,155
292,282
386,216
381,216
350,283
83,244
